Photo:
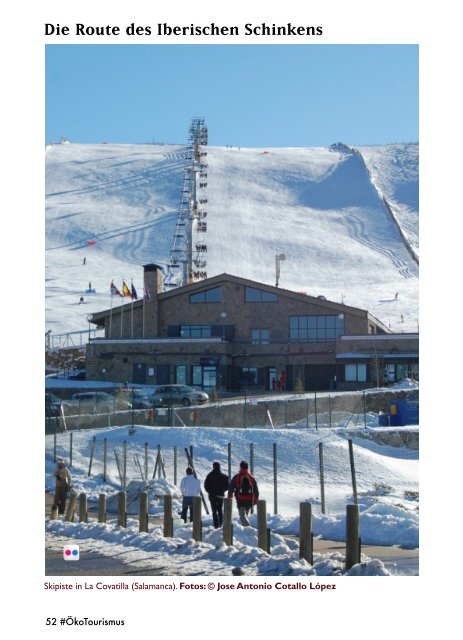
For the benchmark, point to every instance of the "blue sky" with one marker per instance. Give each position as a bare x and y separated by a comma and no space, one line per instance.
250,95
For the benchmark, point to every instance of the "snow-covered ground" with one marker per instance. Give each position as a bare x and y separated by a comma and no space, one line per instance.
321,207
387,486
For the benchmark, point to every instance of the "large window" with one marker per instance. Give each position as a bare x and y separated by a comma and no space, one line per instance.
209,295
394,372
315,328
355,372
260,336
258,295
248,375
195,331
180,374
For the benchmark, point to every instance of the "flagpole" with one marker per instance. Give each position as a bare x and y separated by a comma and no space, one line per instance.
111,314
143,318
131,311
122,308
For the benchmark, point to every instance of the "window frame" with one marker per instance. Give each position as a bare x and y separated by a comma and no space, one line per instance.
260,295
316,328
203,297
260,338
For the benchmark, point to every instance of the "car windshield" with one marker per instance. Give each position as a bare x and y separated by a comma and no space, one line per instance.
138,393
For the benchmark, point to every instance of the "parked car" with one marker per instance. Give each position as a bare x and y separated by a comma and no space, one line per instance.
178,394
138,398
52,405
96,402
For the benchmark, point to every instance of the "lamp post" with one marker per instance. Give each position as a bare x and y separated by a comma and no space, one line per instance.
223,317
89,318
278,258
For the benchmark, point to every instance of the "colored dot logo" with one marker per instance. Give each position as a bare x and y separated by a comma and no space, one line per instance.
71,552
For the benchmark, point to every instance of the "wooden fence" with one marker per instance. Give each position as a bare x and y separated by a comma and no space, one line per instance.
353,541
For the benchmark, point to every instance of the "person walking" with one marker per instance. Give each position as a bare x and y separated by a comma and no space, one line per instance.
190,488
62,485
216,484
244,487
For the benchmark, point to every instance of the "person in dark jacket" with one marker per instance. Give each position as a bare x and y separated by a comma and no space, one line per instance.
216,484
244,487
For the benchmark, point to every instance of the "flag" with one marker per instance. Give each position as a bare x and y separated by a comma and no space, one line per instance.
125,291
146,292
134,293
114,290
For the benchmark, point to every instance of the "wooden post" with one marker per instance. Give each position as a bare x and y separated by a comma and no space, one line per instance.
305,532
175,466
92,452
143,514
227,532
364,409
322,476
352,536
54,512
54,445
124,464
159,461
307,412
156,462
70,449
105,457
262,538
122,509
71,507
146,462
275,480
251,458
315,409
83,508
168,520
102,507
161,464
329,407
352,471
197,533
229,462
119,468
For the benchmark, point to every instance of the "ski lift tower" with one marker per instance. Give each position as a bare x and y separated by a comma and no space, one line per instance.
187,258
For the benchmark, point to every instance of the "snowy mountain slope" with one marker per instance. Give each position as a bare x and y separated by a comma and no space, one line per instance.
318,206
394,170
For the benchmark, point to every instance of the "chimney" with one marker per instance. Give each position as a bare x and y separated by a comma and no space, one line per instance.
152,280
152,283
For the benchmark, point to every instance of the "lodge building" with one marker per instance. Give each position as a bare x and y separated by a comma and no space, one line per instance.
235,334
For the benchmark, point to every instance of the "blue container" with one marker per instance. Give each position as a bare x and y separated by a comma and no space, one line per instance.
400,413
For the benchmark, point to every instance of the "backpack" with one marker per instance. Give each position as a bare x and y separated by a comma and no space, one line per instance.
244,486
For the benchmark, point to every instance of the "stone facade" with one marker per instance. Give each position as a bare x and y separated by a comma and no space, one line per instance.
225,332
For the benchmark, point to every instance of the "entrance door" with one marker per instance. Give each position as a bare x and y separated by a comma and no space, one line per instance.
139,373
209,377
205,377
272,377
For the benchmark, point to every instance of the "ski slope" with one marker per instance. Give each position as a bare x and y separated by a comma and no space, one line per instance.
115,206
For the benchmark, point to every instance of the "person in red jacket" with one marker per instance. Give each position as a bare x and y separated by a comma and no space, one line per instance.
244,487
